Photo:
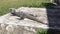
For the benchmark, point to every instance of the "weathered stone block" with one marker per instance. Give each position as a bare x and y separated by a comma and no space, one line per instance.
28,26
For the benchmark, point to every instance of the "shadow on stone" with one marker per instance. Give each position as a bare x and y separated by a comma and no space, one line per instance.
53,18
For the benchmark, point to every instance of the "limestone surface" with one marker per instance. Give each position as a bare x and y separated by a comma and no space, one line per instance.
12,24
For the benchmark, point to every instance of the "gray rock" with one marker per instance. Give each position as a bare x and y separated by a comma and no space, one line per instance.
28,26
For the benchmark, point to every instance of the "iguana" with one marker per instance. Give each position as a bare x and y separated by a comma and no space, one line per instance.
25,15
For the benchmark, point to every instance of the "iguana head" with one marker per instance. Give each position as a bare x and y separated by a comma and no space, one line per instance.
12,10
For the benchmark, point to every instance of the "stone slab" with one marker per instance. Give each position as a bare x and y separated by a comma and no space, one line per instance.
10,23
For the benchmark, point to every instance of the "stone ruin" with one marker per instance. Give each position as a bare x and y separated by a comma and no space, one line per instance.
25,20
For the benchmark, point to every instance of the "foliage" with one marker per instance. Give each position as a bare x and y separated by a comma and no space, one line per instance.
6,4
49,31
42,31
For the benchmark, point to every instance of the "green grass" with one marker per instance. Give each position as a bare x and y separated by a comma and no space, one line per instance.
42,31
6,4
49,31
